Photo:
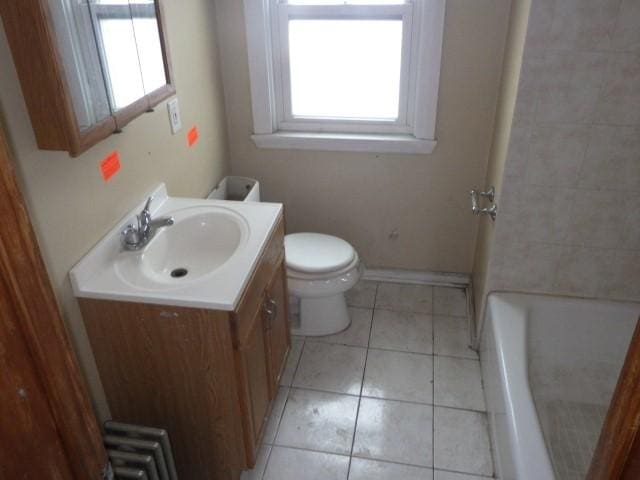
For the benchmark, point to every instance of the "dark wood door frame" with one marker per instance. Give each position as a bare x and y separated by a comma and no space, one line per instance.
30,297
617,454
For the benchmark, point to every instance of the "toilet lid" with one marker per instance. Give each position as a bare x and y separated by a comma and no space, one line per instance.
317,253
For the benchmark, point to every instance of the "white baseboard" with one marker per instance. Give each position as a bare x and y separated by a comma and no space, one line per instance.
460,280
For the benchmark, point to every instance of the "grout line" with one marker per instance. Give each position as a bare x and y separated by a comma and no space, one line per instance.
386,399
266,463
459,472
412,352
394,462
364,370
286,401
433,389
305,449
459,357
311,450
409,312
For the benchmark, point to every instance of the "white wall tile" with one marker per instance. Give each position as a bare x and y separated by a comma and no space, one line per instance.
579,270
530,266
555,155
540,21
627,33
544,214
584,24
518,149
631,222
621,279
569,209
571,82
619,102
598,218
529,85
612,160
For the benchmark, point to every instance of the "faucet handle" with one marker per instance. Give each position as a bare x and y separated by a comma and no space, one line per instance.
130,237
148,204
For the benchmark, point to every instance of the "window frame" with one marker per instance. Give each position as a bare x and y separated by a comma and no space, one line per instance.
276,127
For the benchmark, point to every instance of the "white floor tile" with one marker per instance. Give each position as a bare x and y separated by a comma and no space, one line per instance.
449,301
276,414
461,441
394,431
442,475
405,297
357,335
458,383
362,469
399,376
292,464
332,368
363,294
261,463
318,421
292,362
408,332
451,337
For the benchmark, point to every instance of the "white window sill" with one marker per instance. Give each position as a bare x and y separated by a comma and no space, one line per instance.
345,142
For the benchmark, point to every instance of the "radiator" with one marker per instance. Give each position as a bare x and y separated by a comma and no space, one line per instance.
141,453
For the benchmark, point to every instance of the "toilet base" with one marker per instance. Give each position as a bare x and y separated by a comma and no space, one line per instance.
322,316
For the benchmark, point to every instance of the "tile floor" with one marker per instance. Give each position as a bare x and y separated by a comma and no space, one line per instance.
398,395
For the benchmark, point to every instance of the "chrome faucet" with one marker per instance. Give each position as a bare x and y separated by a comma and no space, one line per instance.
136,237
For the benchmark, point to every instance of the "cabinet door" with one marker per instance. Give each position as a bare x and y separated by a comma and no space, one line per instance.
254,385
277,325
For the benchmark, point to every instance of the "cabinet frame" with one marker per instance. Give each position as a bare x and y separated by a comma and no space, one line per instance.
29,30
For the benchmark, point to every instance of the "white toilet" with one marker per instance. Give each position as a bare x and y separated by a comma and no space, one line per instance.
320,269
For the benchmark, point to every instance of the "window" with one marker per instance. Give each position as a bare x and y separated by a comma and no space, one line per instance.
357,75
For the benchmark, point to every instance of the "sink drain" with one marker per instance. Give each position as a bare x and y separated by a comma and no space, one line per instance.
179,272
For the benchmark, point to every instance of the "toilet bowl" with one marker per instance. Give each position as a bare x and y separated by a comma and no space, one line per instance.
320,269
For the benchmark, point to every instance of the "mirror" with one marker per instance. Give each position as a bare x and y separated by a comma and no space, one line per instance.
113,53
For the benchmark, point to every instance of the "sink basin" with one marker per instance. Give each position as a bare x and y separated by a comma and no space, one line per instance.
199,243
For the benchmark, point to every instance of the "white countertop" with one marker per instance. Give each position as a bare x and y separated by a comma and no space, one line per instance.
96,275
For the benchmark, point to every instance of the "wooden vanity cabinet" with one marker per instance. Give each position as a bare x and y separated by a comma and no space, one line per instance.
208,377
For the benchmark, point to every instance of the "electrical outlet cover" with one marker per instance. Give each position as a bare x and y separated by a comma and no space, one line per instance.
174,115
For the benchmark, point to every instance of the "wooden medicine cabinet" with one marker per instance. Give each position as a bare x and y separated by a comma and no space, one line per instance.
87,67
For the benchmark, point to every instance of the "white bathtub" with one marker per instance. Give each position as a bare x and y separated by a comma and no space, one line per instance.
549,366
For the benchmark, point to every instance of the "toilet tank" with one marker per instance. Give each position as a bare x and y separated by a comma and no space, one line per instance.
242,189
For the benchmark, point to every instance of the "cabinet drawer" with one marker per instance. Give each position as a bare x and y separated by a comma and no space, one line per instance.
253,296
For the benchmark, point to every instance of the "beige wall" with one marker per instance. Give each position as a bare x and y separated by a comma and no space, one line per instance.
568,222
367,198
71,207
495,169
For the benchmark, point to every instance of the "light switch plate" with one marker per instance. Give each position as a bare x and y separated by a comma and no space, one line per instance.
174,115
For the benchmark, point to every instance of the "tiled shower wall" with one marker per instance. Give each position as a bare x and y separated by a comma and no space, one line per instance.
569,210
